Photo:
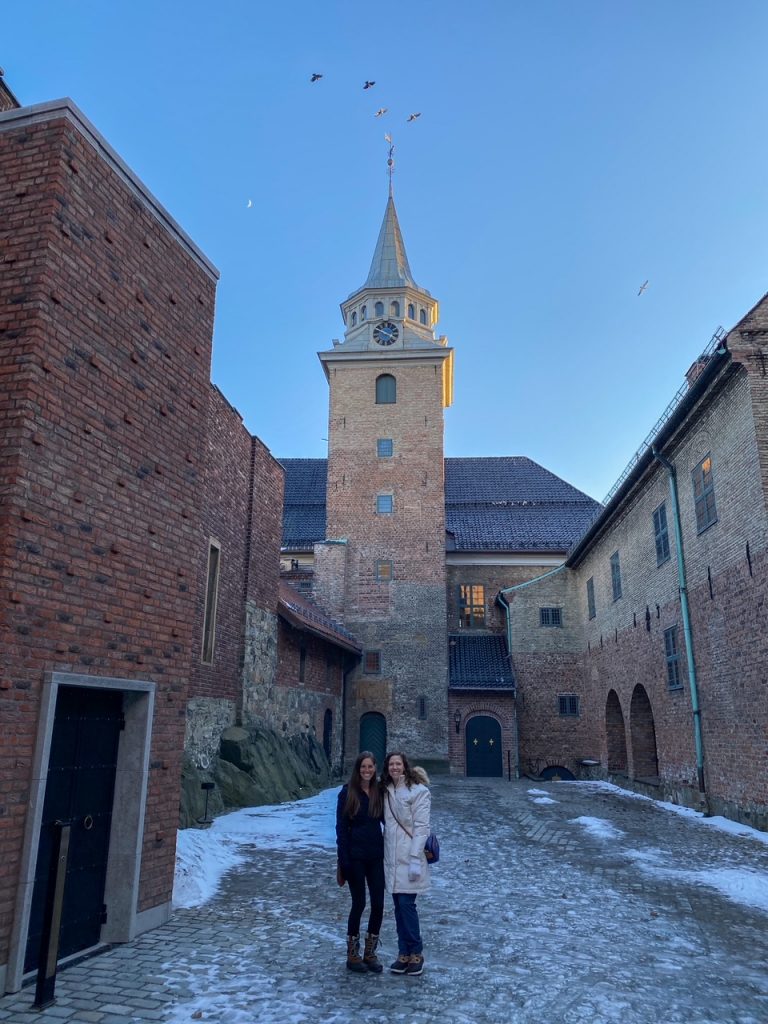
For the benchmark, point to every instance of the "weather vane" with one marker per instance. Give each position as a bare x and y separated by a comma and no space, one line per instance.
390,159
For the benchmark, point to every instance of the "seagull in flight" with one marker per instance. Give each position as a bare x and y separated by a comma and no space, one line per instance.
380,112
414,116
315,77
368,84
249,204
643,286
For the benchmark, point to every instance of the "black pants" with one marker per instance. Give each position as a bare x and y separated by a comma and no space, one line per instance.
359,873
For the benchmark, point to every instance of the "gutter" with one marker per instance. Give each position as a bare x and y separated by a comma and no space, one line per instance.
685,612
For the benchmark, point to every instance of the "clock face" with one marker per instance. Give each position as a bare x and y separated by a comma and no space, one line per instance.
385,334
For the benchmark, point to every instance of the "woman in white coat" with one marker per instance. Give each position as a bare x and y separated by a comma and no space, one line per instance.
407,803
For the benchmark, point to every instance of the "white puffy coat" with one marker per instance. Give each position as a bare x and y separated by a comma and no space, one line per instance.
412,806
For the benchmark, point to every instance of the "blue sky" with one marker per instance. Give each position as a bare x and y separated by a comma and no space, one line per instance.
566,153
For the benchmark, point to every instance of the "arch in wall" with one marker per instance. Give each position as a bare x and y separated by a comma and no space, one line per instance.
373,736
386,389
615,733
483,747
642,731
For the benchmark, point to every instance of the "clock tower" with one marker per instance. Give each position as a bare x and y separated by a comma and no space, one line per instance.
382,567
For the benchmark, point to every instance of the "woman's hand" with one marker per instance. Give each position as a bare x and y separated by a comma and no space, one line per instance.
414,869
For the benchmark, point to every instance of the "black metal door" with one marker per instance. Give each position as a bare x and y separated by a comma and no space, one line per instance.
373,736
79,789
484,747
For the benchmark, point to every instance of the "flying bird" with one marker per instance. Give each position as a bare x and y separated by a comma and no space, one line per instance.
414,116
249,204
643,286
315,77
368,84
380,111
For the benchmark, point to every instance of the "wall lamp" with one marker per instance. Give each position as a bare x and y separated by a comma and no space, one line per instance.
457,720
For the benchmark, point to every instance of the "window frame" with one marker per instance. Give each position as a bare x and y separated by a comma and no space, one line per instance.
381,499
672,655
551,617
210,611
371,663
661,534
568,705
703,482
476,619
591,606
386,394
616,576
388,575
381,445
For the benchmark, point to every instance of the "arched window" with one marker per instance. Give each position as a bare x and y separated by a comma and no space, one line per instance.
386,389
394,308
422,316
364,313
411,311
378,309
354,319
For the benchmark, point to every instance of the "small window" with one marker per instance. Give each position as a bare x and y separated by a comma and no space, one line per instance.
704,495
672,653
378,309
384,570
385,504
411,311
394,308
422,709
385,448
211,601
422,316
661,534
568,704
550,616
615,576
364,313
302,662
372,663
591,597
354,319
471,606
386,389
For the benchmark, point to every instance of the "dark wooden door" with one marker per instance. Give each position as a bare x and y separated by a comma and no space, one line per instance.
79,790
484,747
373,736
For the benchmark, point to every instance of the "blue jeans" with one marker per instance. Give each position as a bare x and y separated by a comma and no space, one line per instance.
407,921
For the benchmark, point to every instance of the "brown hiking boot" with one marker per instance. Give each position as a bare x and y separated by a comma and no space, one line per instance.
354,960
370,959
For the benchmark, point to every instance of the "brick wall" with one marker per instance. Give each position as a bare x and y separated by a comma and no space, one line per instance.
493,578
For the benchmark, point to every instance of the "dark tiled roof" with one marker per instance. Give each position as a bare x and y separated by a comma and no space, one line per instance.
304,507
479,662
491,504
302,612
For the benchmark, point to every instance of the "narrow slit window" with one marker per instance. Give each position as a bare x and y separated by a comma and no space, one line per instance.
211,601
661,534
592,611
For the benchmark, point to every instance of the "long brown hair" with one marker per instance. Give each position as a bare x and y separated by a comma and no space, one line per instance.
411,776
355,790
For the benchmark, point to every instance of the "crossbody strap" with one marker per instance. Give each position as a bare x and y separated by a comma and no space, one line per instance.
392,809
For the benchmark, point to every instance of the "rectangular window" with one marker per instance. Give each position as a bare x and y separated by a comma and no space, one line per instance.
211,601
661,534
385,448
704,494
423,709
591,597
384,504
471,606
568,704
372,663
383,571
615,576
674,672
550,616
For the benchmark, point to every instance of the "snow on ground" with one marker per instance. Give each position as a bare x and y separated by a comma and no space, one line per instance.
598,827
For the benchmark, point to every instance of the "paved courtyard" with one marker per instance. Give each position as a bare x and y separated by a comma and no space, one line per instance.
554,903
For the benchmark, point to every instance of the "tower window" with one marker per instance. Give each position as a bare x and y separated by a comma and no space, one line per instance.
364,313
423,708
550,616
378,309
383,571
411,311
372,663
422,316
385,447
354,318
385,504
394,308
386,389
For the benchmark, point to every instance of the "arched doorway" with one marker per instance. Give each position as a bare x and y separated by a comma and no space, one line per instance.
642,729
373,735
615,734
327,732
483,740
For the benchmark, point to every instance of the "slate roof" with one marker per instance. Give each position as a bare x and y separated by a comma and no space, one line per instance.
478,662
491,504
302,612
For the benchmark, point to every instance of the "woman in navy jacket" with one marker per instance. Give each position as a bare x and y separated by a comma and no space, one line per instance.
360,843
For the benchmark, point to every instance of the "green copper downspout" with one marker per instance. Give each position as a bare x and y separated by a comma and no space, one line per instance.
685,611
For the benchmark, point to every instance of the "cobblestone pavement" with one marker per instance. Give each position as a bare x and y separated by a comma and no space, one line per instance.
531,918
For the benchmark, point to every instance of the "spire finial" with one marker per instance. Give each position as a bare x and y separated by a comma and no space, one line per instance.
390,160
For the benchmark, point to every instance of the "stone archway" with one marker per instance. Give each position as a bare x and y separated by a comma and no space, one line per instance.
645,762
615,733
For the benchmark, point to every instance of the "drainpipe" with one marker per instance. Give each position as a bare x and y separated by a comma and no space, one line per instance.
685,612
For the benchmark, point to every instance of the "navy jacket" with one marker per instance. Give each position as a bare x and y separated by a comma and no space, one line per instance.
358,838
